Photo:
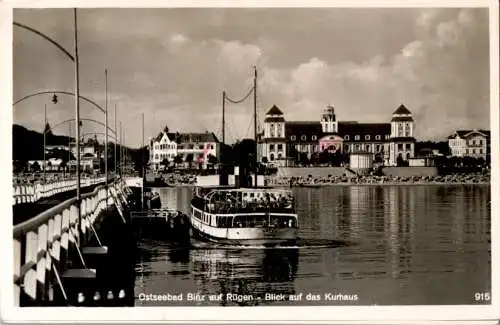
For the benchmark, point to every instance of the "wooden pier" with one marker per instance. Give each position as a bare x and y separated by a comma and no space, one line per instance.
60,260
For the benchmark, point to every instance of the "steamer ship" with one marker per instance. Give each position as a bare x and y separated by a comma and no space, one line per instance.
244,214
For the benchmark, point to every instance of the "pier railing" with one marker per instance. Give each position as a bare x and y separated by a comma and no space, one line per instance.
41,244
34,192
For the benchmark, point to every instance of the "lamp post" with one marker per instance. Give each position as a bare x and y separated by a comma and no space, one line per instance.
116,174
77,120
44,143
106,137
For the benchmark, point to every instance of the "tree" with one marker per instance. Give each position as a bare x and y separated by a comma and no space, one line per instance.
178,159
189,159
47,130
399,161
211,159
35,166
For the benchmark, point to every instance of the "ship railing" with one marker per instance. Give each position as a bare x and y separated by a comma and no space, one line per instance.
154,213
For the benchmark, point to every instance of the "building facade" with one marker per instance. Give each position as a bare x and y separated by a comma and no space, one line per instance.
470,143
402,140
188,147
384,141
273,140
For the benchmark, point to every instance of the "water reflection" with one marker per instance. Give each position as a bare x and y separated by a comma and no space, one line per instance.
413,245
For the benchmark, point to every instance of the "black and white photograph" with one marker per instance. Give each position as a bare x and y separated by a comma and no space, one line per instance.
220,156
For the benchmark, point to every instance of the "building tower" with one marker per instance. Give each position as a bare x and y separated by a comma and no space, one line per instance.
329,123
273,145
402,142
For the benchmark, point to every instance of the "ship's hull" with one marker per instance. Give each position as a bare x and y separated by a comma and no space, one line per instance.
258,236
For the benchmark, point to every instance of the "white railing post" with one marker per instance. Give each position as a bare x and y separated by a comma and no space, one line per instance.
56,237
17,272
29,280
41,256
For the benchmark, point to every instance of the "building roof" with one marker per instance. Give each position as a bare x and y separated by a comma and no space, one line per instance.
402,110
403,139
274,119
402,119
464,133
303,128
274,111
197,137
363,129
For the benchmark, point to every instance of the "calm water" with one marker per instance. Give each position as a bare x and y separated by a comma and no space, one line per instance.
406,245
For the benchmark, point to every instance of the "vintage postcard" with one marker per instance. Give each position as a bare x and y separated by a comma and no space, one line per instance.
209,162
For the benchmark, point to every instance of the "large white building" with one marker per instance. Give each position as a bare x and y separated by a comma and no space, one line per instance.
470,143
281,140
188,147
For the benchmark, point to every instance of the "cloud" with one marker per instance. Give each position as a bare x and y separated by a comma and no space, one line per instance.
442,77
439,69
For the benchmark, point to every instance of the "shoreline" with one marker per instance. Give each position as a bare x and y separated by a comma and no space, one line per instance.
351,184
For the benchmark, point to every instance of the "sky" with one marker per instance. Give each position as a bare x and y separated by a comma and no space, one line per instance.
173,64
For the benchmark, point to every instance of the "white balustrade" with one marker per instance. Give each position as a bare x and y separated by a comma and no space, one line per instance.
35,192
41,243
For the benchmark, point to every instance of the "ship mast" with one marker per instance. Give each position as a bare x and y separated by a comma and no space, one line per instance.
255,123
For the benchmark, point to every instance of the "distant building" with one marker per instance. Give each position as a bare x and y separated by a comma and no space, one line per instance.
273,142
167,145
470,143
402,141
384,141
163,147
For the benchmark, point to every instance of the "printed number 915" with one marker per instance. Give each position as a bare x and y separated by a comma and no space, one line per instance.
482,296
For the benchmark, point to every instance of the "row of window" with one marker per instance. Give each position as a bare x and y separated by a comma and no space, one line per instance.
164,146
280,147
404,131
192,146
474,151
407,146
346,137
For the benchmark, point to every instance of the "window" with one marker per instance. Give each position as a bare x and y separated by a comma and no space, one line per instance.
346,148
346,137
279,156
212,146
303,138
200,146
314,138
377,147
480,142
408,146
400,146
387,137
280,147
356,137
367,147
271,156
377,137
367,137
400,130
293,138
271,147
357,147
272,130
407,130
279,130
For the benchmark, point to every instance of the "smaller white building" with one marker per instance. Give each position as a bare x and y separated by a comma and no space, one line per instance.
188,147
469,143
163,147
